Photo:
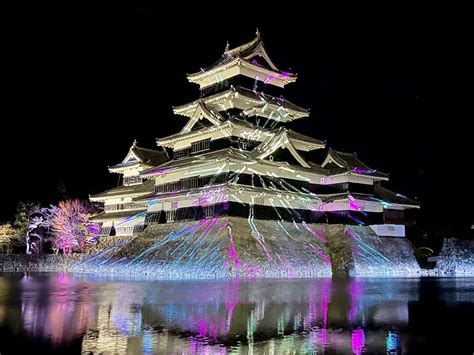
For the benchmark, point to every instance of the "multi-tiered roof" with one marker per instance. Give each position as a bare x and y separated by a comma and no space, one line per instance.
236,156
250,59
122,215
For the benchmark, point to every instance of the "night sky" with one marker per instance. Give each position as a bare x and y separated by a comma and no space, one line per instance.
394,84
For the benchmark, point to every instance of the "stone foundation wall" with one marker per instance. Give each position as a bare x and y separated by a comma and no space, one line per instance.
339,248
236,247
381,256
456,258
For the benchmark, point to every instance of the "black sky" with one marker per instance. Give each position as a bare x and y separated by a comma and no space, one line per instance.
393,83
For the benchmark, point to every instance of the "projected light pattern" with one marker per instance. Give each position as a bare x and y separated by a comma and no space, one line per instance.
256,234
358,341
160,171
392,343
208,248
131,218
182,257
294,243
231,251
363,171
211,248
376,256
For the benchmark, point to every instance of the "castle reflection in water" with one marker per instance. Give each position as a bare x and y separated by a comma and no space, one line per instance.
262,316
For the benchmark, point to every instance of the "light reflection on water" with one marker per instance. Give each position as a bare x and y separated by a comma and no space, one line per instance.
86,313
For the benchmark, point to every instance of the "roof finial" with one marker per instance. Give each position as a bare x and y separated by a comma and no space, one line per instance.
257,32
227,46
134,142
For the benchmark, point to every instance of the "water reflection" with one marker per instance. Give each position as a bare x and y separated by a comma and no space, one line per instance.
55,308
99,314
392,342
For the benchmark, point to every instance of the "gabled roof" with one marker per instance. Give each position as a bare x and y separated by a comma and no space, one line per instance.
278,141
251,55
268,99
214,155
150,156
228,125
343,160
223,156
278,109
248,130
247,51
202,112
123,190
137,155
349,161
393,197
384,199
313,142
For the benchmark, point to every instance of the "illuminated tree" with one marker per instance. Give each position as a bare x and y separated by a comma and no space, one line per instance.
22,216
24,224
70,226
7,233
39,229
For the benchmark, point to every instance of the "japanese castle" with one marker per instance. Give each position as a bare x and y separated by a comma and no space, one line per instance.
236,157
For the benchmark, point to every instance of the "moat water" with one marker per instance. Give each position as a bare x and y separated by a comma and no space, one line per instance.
77,313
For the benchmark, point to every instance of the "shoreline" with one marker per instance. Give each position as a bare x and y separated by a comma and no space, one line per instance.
12,263
189,251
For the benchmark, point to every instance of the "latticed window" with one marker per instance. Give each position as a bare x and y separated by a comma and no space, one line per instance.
180,153
152,217
111,207
189,183
170,216
129,180
138,228
125,206
209,211
393,215
200,145
170,187
194,182
124,230
105,231
140,205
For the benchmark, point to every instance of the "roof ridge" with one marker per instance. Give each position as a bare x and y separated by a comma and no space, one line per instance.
248,44
150,149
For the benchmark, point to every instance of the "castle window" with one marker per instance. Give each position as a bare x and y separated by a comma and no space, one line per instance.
209,211
181,153
130,180
393,216
200,145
